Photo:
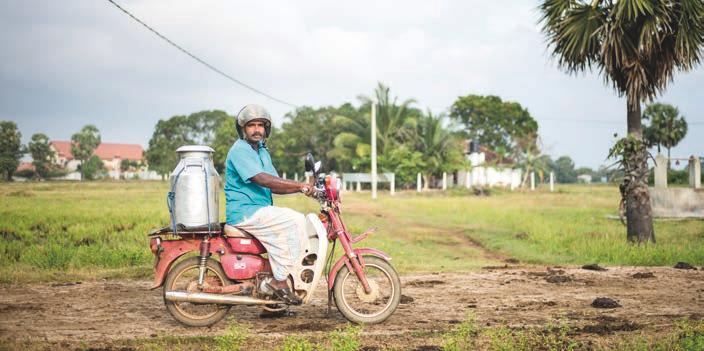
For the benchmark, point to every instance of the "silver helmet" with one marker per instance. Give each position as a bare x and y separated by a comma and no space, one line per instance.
249,113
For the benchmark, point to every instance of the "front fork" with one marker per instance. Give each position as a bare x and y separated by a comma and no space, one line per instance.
202,263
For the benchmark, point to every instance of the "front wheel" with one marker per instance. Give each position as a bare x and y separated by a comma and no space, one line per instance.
375,307
184,277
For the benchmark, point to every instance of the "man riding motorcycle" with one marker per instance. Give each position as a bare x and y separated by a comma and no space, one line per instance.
250,180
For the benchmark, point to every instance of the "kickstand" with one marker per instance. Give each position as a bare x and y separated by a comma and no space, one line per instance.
329,302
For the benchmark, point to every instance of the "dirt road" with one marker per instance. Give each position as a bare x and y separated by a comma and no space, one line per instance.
104,312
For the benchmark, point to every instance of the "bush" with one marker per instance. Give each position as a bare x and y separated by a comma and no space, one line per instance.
233,339
346,339
296,343
26,173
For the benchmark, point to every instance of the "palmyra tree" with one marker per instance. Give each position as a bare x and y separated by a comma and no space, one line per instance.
636,45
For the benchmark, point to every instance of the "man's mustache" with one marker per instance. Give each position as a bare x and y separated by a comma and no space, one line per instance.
257,134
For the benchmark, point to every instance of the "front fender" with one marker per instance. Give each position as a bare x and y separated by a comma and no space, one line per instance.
345,260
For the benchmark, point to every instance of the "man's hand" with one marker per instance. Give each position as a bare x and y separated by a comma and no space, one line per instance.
308,190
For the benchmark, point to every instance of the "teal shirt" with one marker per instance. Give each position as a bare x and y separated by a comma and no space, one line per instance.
243,196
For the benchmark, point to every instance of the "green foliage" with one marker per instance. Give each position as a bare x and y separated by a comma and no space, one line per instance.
462,336
346,339
93,168
564,170
688,335
82,145
199,128
42,154
666,128
225,137
636,45
394,120
10,148
494,123
553,338
233,339
336,135
405,163
296,343
441,150
126,165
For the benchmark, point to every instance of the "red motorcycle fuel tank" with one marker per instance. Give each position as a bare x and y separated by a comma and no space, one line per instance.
242,266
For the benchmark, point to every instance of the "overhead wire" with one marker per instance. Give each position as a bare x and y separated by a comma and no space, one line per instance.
206,64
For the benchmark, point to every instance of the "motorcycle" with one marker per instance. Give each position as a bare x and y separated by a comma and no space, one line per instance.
230,267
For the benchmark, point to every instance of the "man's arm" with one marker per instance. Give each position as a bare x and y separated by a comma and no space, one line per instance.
280,185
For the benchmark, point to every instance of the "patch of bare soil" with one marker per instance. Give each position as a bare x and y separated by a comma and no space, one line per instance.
103,314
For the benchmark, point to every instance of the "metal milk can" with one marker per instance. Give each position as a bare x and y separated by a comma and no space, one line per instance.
195,185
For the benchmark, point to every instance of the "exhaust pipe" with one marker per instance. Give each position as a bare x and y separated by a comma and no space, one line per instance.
183,296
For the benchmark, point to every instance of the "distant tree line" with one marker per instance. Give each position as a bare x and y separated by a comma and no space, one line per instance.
409,140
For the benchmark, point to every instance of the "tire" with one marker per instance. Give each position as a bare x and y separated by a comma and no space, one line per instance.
182,275
386,292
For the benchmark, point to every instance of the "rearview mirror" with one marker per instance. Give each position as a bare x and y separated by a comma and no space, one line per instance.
309,163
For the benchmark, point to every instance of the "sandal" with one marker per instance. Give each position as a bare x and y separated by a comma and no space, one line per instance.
286,295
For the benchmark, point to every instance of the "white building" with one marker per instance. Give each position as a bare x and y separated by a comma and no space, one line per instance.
488,169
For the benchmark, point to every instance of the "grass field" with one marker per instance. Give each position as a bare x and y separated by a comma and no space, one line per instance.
62,231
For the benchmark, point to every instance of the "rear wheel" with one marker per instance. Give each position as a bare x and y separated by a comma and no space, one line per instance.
373,307
184,277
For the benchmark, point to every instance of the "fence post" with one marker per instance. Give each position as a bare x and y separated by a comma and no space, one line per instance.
695,172
295,176
418,183
468,179
532,180
393,184
359,186
660,171
444,180
284,175
552,181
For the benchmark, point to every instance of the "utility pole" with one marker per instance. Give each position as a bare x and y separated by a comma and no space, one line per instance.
374,178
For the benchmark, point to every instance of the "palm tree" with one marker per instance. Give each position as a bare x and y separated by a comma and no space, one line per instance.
667,127
392,118
440,149
636,45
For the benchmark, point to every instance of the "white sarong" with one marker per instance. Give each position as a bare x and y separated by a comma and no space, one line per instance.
281,231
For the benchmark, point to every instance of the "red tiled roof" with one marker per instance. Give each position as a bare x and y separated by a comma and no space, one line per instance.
106,151
25,165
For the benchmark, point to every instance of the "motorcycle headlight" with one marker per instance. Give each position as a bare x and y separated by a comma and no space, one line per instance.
332,187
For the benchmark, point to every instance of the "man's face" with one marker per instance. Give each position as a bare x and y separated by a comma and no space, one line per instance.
255,130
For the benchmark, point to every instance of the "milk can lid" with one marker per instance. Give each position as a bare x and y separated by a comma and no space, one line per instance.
195,148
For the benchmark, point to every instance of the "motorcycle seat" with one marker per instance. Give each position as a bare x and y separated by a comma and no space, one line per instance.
234,232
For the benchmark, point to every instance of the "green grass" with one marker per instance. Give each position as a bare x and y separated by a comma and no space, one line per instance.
64,231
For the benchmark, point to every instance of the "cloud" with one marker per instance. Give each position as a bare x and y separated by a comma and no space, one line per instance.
67,64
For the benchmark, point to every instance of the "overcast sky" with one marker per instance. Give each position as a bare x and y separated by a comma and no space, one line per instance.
67,64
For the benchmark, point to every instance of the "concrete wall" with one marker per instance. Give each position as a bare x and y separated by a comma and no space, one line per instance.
677,202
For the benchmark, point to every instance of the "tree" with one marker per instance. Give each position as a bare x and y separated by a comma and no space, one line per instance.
564,170
392,118
42,154
93,168
636,45
440,150
83,144
335,135
667,127
10,148
492,122
225,136
199,128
